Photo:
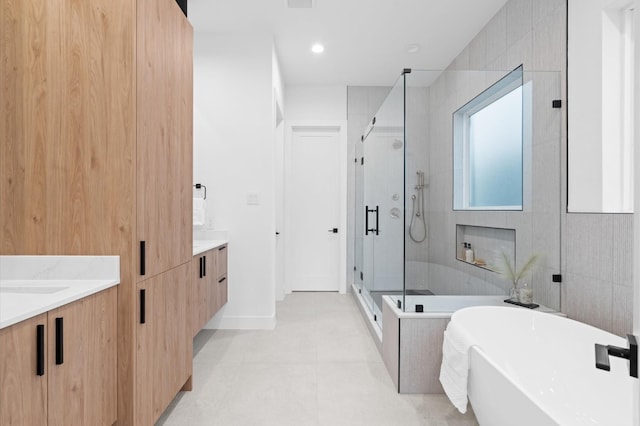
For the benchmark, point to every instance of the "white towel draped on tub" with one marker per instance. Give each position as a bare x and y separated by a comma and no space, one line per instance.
454,370
199,212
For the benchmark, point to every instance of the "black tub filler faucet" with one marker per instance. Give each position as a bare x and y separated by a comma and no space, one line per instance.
630,353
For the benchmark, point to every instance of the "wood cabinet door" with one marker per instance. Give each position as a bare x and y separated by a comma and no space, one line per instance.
164,135
23,393
211,283
164,342
221,261
199,294
82,361
222,297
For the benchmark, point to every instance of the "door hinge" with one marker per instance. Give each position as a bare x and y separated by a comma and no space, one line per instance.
362,161
556,278
361,276
556,103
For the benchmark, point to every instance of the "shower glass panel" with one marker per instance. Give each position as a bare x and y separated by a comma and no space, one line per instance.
409,234
435,265
383,197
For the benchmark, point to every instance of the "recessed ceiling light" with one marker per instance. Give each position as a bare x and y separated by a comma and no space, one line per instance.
317,48
413,48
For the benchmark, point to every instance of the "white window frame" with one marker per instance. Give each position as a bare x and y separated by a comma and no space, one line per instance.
462,140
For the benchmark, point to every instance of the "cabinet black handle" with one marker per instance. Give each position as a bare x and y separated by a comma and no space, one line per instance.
222,279
222,248
59,341
40,350
143,306
142,258
201,267
204,267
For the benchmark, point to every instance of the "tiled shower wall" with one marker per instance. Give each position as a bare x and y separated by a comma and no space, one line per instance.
595,249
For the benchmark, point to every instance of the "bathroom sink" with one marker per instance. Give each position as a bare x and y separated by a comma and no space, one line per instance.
31,290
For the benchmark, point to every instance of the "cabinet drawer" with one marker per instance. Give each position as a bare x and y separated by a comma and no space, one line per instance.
221,260
222,292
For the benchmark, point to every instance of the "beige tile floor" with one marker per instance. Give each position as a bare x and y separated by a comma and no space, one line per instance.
318,367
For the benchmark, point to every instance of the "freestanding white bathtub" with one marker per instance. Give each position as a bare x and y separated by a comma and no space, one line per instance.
528,368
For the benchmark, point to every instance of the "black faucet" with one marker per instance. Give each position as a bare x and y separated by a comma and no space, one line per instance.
630,353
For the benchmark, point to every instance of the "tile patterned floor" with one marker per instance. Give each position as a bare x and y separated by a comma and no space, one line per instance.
318,367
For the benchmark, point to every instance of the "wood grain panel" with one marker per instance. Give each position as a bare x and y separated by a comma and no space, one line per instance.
165,348
23,400
83,389
199,296
164,134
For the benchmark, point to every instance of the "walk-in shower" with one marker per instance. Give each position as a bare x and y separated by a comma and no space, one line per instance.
455,157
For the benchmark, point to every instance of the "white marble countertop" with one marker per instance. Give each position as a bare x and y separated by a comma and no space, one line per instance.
200,246
32,285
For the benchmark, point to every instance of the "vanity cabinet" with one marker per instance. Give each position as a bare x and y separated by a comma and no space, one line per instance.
221,263
204,289
209,290
23,396
59,368
164,347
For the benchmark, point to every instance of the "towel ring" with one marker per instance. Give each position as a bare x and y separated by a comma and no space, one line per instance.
199,186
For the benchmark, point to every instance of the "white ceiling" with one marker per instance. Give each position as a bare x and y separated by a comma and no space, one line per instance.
366,40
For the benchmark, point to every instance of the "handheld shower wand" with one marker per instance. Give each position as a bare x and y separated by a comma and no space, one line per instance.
417,210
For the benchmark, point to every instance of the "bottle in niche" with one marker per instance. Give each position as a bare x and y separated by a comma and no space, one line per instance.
468,253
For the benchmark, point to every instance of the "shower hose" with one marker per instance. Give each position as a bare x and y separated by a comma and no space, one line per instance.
417,215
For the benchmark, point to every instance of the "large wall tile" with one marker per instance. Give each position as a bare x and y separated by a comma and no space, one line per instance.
496,31
622,321
588,300
519,18
590,245
623,249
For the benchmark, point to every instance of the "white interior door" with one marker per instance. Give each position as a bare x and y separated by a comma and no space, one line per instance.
313,209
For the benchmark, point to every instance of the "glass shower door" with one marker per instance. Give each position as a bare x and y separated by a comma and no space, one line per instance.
383,199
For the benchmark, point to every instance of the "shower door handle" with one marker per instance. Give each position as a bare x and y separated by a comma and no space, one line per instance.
376,229
366,220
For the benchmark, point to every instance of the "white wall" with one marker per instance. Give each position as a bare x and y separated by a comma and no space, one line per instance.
316,103
233,156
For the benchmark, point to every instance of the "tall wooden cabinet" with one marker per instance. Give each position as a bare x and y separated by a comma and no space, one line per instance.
96,153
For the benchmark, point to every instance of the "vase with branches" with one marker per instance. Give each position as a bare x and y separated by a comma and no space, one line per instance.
505,266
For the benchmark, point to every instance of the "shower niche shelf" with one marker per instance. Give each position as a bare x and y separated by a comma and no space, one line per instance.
486,242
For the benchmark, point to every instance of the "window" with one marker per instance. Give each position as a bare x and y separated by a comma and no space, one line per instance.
487,137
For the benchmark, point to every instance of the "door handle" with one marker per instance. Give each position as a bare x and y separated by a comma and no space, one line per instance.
143,306
333,230
143,259
40,350
59,341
